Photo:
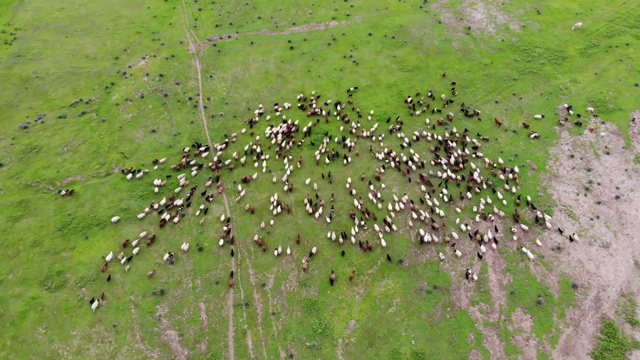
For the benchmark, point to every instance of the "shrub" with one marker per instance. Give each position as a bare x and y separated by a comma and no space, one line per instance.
613,344
322,327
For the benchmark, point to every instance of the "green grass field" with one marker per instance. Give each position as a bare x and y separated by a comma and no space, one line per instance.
108,85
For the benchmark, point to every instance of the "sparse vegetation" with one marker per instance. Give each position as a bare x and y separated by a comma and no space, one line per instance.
612,343
626,308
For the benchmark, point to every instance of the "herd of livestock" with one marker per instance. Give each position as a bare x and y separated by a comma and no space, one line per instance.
453,197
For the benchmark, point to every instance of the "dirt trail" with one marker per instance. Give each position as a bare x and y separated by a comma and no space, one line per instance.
594,182
258,304
197,54
170,336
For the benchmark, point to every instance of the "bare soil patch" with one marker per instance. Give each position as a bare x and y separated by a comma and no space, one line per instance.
203,316
521,330
477,16
561,110
301,28
203,346
350,327
70,178
168,335
461,295
602,261
258,305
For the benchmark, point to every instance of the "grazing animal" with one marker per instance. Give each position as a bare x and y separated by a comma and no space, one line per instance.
231,283
104,267
109,278
168,256
94,305
577,25
479,255
151,273
115,219
388,258
332,278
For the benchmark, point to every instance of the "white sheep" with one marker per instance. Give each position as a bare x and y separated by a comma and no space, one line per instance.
109,257
529,255
115,219
136,250
577,25
95,304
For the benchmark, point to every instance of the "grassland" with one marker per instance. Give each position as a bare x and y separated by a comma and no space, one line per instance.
115,86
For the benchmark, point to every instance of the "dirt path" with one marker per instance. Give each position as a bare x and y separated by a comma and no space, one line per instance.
594,182
197,54
170,336
258,305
